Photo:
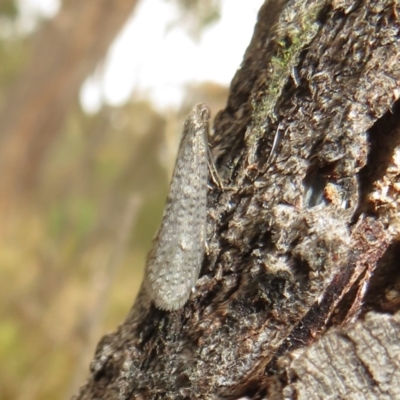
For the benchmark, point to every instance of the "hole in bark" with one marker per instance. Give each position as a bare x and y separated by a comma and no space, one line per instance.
383,137
314,184
383,293
183,381
300,268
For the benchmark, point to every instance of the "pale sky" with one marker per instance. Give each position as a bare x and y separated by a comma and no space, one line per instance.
155,62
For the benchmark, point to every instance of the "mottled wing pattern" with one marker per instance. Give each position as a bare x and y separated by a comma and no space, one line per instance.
175,259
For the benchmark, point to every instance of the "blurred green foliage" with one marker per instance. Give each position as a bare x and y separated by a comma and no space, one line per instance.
195,15
8,9
55,252
60,286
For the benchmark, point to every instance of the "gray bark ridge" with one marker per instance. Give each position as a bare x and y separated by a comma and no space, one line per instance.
309,130
360,362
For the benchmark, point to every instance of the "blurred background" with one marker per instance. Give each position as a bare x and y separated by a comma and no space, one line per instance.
93,95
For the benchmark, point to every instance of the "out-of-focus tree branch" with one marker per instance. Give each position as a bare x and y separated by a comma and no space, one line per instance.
64,51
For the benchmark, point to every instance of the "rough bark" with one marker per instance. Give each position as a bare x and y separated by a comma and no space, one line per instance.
64,51
362,362
308,144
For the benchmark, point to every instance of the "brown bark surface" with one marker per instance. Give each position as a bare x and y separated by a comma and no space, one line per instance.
307,237
64,51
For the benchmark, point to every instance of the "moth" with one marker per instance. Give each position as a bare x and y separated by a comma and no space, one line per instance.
174,261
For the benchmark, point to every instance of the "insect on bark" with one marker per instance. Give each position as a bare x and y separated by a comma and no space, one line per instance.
174,261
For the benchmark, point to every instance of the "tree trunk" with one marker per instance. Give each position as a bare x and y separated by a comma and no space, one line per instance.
64,52
306,237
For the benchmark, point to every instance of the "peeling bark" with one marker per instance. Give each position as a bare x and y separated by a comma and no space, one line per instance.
362,361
